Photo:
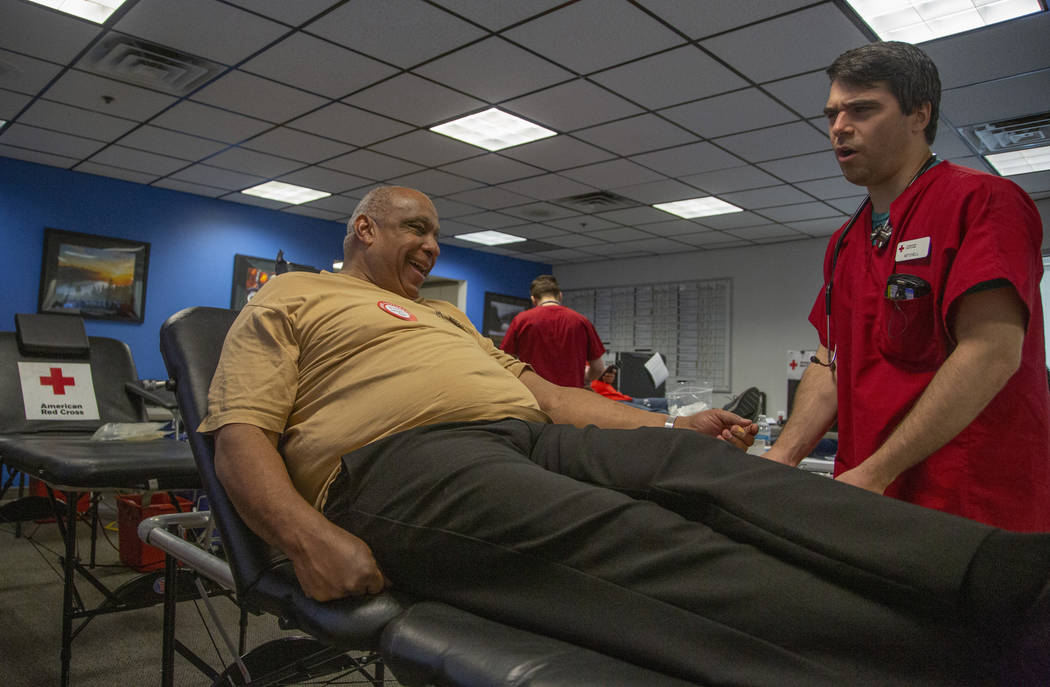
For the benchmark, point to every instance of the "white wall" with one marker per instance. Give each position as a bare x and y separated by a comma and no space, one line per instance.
774,288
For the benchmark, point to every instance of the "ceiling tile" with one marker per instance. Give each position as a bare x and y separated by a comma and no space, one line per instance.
489,220
201,28
422,31
818,227
826,189
672,77
675,227
138,160
344,205
847,205
764,232
210,122
949,145
171,143
582,223
594,34
733,220
557,153
711,239
770,49
492,198
44,33
636,135
570,106
25,74
548,187
775,142
634,217
729,113
435,183
427,148
294,13
1021,95
493,70
371,165
994,52
115,172
663,191
221,178
252,162
11,103
325,180
296,145
540,212
573,240
805,94
794,213
47,141
348,124
449,208
804,167
498,15
318,66
612,174
415,100
658,245
1036,182
688,159
73,120
730,179
186,187
758,198
316,212
698,18
492,169
245,199
88,91
257,97
619,234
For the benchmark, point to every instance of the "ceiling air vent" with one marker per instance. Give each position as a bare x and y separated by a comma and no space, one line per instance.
1009,134
596,201
147,64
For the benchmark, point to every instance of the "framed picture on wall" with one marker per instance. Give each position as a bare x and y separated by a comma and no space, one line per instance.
250,273
93,276
500,309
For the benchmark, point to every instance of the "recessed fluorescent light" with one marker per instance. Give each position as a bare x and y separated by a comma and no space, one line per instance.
915,21
337,265
490,238
698,207
97,11
1021,161
287,193
493,130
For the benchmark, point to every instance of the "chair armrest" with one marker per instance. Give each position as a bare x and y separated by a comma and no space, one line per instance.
154,532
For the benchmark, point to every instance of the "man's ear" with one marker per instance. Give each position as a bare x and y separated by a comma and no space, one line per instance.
365,229
921,117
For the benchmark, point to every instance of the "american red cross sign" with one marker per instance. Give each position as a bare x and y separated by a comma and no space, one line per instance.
57,382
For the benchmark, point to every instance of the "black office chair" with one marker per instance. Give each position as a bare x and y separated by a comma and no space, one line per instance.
423,643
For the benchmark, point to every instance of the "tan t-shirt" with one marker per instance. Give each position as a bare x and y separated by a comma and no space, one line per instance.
332,362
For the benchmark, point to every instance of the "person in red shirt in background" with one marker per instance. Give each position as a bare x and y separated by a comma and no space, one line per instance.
604,386
561,344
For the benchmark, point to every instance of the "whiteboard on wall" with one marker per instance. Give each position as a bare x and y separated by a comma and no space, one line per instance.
688,322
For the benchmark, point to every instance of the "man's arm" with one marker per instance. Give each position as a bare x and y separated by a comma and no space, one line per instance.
813,411
989,328
329,562
595,368
582,407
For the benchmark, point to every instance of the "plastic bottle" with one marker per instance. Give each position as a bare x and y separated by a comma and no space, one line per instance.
762,440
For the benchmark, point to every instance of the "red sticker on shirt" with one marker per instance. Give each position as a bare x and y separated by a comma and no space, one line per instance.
397,311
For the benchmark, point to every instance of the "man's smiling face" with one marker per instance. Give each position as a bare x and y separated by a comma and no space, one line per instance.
405,246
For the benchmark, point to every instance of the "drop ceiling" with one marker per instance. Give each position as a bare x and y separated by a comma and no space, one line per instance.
653,101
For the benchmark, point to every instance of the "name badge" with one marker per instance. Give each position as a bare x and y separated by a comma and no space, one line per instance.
913,250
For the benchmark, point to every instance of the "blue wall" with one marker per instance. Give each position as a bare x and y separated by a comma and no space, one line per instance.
192,243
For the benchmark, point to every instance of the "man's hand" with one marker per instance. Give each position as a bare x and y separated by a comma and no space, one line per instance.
331,564
864,478
730,427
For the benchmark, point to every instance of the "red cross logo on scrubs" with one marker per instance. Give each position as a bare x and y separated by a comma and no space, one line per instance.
900,248
57,382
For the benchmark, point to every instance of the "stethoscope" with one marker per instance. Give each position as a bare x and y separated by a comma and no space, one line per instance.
880,236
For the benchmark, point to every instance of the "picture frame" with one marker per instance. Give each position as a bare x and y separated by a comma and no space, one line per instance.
250,273
92,276
500,309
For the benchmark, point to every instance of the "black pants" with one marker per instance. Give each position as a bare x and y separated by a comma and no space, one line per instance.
678,552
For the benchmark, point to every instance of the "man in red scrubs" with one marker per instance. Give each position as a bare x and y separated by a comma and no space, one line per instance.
560,343
931,351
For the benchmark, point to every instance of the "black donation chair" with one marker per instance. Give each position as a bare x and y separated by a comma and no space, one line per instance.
421,642
57,387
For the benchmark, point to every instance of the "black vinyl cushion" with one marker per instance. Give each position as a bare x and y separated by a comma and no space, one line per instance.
58,336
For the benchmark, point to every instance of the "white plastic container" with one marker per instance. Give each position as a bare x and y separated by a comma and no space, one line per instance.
688,396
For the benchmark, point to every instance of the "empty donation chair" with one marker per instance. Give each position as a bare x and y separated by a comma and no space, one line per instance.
57,386
421,642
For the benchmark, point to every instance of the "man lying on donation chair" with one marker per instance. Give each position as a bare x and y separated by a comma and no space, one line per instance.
559,511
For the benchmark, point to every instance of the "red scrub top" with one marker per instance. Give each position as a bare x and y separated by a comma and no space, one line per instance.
979,228
557,341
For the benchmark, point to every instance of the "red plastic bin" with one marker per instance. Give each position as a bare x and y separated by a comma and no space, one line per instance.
135,553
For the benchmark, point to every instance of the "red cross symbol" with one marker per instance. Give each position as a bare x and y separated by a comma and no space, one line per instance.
900,248
792,365
57,382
